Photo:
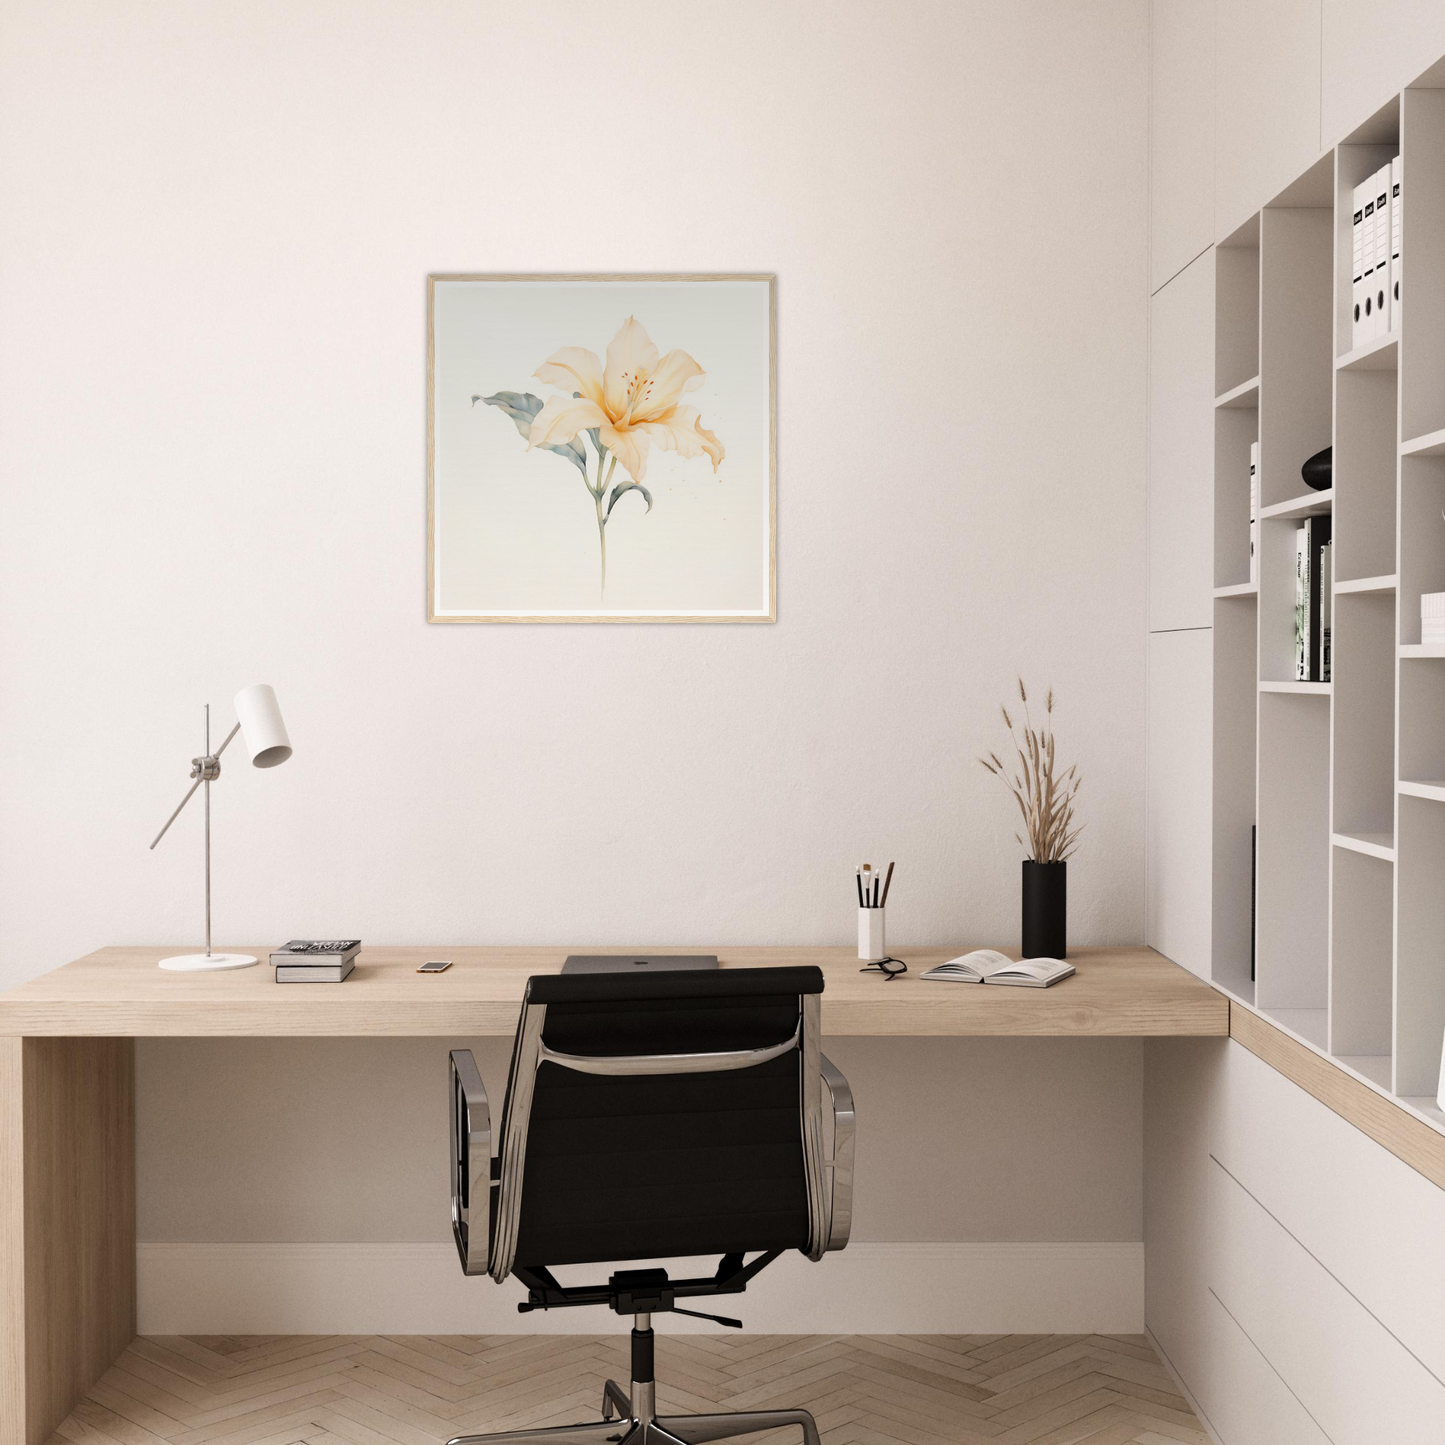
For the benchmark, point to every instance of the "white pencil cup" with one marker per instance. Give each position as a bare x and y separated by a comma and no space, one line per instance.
871,946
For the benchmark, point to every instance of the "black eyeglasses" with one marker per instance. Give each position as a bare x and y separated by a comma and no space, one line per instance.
890,968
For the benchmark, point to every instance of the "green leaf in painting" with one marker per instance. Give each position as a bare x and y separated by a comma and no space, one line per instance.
522,407
622,489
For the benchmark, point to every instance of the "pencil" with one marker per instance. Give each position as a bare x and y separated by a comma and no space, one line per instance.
887,884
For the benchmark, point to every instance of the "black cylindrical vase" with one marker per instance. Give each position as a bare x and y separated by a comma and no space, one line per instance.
1046,909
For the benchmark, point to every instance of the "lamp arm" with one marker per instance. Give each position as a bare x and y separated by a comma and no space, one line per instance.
227,743
202,774
177,813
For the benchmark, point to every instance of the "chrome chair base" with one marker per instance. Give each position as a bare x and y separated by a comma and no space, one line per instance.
641,1427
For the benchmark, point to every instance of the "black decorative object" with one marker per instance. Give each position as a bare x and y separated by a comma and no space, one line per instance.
1046,909
1319,471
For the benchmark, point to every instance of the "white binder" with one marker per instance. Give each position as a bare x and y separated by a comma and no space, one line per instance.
1396,225
1357,268
1382,251
1254,513
1367,324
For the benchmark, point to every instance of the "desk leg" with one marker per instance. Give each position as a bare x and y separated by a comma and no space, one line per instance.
67,1224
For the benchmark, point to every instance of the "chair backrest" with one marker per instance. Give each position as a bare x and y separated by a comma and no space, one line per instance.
669,1114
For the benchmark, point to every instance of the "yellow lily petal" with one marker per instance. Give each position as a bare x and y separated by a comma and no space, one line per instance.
631,359
629,446
574,368
681,430
676,373
562,418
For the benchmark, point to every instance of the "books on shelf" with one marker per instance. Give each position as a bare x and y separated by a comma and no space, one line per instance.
1311,613
1327,607
315,960
1254,513
988,965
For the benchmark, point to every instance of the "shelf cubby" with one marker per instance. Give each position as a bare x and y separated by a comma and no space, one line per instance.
1294,852
1365,459
1362,902
1236,314
1422,720
1235,429
1364,705
1236,706
1422,537
1420,962
1296,324
1422,253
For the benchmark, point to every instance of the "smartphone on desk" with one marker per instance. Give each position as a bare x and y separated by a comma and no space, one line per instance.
435,965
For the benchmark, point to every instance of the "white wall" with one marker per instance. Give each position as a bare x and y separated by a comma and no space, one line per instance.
218,225
218,222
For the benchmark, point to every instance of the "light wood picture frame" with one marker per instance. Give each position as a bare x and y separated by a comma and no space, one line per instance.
601,448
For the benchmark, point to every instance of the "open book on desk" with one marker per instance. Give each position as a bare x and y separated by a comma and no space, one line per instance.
987,965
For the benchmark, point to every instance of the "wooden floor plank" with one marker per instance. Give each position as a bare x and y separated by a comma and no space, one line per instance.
425,1389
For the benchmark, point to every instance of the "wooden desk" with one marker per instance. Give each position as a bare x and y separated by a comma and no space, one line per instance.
119,992
67,1091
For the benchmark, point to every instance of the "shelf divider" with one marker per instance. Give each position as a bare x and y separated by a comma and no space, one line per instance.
1379,355
1312,504
1244,397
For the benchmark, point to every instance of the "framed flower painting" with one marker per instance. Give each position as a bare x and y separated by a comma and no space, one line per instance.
601,449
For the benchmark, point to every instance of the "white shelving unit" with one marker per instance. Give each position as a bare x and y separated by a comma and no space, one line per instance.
1344,781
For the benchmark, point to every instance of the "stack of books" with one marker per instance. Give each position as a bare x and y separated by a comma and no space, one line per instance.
315,960
1312,600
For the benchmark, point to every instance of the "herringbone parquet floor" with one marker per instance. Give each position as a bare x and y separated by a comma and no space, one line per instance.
418,1390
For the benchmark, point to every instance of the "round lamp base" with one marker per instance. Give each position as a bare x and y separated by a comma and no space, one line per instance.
207,962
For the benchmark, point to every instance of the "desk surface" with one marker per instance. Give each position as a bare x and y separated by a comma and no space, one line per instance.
119,992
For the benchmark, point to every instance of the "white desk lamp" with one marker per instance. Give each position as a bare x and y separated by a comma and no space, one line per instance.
258,720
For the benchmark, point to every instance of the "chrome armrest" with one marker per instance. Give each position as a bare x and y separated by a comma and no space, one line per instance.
840,1166
471,1126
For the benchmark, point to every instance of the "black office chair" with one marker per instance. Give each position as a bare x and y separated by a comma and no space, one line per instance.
650,1117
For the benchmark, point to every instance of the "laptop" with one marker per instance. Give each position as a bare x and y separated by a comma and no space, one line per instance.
637,962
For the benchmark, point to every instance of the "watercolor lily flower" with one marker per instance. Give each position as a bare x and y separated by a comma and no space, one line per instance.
625,409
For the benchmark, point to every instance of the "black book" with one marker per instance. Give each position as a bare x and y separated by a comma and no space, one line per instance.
1253,892
317,951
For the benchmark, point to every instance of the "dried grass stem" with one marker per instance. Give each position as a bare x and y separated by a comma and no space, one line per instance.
1045,797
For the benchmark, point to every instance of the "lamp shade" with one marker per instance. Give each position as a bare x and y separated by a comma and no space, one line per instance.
262,730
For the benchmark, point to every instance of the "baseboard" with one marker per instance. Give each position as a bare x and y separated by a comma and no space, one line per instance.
305,1289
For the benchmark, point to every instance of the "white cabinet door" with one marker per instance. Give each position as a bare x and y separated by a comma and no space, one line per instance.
1358,1382
1246,1401
1181,134
1181,450
1266,102
1370,52
1366,1216
1178,902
